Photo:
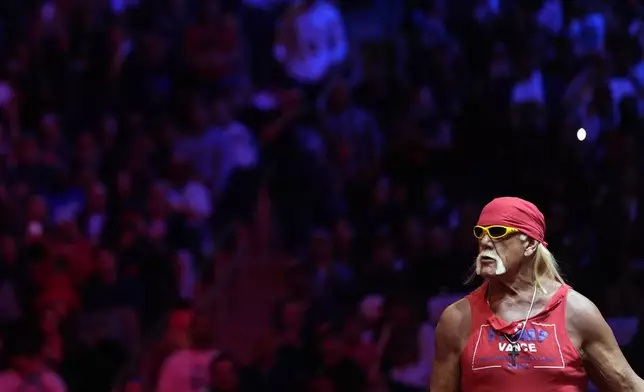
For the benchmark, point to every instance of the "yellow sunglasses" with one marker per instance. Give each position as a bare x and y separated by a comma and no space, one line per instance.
495,232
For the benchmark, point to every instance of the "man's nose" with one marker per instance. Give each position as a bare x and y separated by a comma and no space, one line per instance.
486,241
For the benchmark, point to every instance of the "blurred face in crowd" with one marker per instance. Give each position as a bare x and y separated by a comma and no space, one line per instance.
28,153
133,386
299,282
322,385
413,234
526,63
197,115
68,230
321,247
602,103
424,104
36,209
332,349
405,349
292,316
154,48
50,130
177,5
439,241
49,321
629,181
340,96
265,351
180,320
384,254
557,218
201,332
8,250
106,267
107,130
500,63
399,314
180,172
97,200
85,149
352,332
157,203
27,365
530,117
222,113
343,235
382,193
224,375
211,10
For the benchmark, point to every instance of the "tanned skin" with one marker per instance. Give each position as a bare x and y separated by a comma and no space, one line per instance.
509,298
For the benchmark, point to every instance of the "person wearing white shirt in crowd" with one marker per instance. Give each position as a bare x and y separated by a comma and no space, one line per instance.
199,143
28,372
238,144
185,193
528,95
588,30
188,370
311,41
551,16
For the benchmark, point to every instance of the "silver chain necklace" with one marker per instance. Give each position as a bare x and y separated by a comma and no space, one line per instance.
515,349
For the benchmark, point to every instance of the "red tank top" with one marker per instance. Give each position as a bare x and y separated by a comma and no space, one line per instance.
548,360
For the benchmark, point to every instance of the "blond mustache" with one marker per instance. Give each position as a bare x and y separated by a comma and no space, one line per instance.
500,267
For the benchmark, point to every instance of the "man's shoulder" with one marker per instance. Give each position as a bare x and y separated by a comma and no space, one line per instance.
578,304
581,313
457,310
455,319
453,328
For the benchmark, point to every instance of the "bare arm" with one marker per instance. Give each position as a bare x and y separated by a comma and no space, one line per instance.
606,364
452,333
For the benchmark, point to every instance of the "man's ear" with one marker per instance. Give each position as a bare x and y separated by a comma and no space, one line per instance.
531,247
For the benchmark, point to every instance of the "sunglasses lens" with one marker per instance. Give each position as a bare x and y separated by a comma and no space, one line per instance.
497,231
478,231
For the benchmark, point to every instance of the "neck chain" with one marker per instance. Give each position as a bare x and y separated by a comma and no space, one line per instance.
527,316
514,348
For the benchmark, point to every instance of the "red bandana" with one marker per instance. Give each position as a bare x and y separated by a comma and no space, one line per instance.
516,213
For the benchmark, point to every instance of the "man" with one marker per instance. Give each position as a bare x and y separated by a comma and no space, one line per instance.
187,370
28,371
524,328
176,337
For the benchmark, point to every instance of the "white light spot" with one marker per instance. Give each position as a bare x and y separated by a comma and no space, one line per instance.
581,134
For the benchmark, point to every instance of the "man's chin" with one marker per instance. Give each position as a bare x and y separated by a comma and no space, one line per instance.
487,273
491,270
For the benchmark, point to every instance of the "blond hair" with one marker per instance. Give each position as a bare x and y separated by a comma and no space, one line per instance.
545,267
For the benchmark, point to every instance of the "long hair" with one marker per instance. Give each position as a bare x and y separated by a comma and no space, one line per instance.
545,266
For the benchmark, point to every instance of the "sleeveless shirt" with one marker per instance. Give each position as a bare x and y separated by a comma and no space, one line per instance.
548,361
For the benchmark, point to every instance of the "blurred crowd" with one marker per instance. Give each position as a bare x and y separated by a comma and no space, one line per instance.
137,135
